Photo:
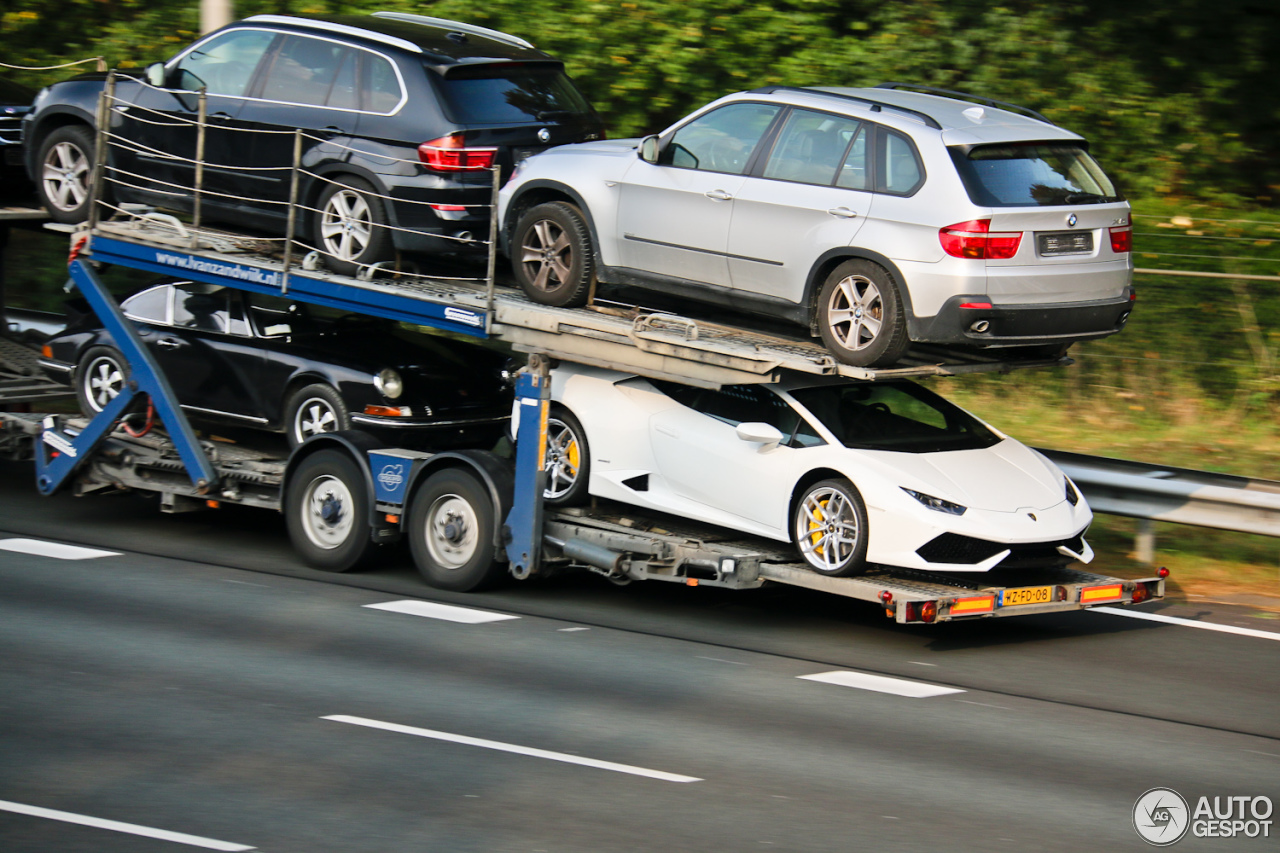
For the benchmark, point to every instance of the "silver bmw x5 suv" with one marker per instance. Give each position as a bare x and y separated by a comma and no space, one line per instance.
876,217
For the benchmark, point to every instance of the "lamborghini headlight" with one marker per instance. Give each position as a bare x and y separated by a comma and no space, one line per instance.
936,503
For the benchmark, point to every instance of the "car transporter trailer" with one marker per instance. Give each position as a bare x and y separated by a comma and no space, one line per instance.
470,516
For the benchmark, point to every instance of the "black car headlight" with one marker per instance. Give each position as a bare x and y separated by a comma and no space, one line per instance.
936,503
389,383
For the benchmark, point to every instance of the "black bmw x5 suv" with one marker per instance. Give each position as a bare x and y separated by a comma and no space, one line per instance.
403,119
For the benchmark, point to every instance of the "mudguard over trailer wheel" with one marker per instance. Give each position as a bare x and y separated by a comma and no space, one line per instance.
450,532
327,512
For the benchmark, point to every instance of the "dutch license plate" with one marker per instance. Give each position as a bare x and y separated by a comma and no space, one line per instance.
1066,243
1027,595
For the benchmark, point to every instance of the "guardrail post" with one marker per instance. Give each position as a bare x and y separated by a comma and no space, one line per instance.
1144,542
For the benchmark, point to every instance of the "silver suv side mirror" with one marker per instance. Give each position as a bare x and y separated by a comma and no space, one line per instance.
156,74
649,149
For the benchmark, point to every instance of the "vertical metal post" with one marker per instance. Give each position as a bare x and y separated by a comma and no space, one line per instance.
1144,543
293,209
202,118
524,522
493,250
105,100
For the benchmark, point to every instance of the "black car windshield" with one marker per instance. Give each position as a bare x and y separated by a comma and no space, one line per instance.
512,94
1033,174
898,416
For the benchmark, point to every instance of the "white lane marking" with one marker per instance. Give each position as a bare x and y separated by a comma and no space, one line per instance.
720,660
1190,623
571,630
447,612
881,684
117,826
984,704
921,663
56,550
511,747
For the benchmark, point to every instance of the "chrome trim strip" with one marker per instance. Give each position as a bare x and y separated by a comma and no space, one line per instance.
56,365
633,238
383,421
249,418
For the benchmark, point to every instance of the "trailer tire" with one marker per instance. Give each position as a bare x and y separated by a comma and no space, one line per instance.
829,526
327,512
451,532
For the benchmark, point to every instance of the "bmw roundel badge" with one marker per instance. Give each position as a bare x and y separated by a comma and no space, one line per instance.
544,134
1071,221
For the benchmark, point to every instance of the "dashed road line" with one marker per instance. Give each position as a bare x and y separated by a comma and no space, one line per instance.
513,748
40,548
1189,623
118,826
447,612
881,684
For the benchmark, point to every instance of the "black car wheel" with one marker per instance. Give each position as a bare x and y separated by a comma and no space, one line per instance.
327,512
100,377
350,228
829,524
66,173
552,256
860,315
313,410
568,460
451,532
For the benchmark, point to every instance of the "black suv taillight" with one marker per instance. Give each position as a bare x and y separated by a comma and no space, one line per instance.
451,154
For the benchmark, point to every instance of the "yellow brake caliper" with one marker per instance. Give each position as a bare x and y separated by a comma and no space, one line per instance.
815,530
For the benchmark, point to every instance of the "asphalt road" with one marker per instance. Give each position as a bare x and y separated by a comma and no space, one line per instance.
201,681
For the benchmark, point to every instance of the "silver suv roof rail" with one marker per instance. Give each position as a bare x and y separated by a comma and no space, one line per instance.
989,102
457,27
876,106
330,27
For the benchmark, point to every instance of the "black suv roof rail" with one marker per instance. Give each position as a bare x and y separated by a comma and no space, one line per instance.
456,27
989,102
876,106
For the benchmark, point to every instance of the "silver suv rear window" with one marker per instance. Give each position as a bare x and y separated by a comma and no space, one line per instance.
1033,174
511,94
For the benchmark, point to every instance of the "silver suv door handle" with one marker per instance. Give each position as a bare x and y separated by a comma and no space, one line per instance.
168,343
842,212
719,195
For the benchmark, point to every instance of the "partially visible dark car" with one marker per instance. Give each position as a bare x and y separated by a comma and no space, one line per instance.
269,363
404,117
15,102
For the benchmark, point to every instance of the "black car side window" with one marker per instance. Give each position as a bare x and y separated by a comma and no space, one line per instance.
224,65
303,71
722,140
150,306
206,312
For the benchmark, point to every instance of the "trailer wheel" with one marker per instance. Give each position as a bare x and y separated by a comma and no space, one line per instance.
568,461
451,532
327,512
829,524
100,378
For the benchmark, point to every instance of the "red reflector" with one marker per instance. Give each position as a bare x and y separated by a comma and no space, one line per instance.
929,611
886,596
976,306
1140,592
451,154
448,207
975,240
1122,239
1162,572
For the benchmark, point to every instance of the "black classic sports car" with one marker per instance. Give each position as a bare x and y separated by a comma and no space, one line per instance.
270,363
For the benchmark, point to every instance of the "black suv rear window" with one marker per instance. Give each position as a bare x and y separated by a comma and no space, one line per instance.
511,94
1032,174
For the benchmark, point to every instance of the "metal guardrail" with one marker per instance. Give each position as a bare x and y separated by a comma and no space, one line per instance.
1153,493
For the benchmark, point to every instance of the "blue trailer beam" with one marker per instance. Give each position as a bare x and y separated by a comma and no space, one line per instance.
344,296
524,522
58,455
